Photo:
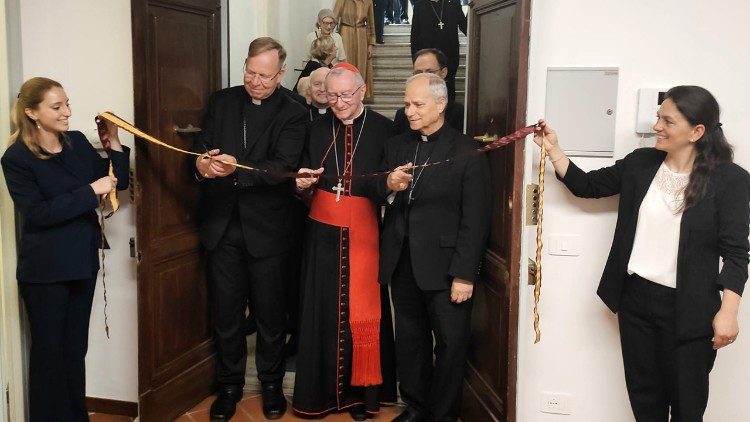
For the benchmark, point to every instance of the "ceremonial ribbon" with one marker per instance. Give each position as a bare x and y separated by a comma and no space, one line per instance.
505,140
115,204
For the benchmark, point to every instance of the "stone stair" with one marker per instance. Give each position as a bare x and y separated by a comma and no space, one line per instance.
392,66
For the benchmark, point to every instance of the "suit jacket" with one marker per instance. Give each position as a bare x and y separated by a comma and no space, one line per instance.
60,231
449,219
716,226
263,201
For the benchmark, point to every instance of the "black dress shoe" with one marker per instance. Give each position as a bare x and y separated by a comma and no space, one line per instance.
409,415
274,402
224,406
358,412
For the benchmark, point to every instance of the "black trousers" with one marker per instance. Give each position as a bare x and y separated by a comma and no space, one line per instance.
404,10
433,389
379,11
662,372
235,276
59,316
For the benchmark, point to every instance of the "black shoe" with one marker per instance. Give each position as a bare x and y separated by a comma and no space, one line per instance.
358,412
274,402
224,406
405,21
409,415
380,41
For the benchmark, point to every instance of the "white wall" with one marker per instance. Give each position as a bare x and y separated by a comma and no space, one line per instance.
289,21
655,44
87,48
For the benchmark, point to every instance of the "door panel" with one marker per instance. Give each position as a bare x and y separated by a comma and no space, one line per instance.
176,67
498,50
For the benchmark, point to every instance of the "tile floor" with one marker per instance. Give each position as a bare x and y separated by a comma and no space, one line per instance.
249,409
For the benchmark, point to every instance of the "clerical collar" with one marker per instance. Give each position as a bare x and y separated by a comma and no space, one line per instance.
351,121
265,100
433,136
322,110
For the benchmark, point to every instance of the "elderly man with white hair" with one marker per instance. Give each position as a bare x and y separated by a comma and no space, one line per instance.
345,358
433,240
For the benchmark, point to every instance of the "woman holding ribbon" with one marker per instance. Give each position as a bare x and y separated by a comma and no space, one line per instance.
55,178
683,205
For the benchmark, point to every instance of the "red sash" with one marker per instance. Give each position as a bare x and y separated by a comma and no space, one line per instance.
359,215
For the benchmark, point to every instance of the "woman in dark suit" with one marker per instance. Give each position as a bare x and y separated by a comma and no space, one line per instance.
55,178
683,206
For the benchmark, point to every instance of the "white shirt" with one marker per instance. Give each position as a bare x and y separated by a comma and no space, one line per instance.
340,57
657,234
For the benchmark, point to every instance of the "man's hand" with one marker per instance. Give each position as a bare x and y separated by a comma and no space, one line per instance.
461,290
398,180
212,164
307,182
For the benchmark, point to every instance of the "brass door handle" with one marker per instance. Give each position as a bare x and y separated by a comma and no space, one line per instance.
486,138
187,129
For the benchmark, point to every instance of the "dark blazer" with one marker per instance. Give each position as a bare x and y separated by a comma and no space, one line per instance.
449,220
716,226
60,233
263,201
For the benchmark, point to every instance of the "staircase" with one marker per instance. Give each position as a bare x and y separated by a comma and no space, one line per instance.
392,66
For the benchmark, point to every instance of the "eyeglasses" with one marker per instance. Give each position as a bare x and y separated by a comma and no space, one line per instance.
264,79
345,97
328,23
433,71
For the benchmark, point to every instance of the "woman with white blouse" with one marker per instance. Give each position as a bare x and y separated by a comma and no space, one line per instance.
683,206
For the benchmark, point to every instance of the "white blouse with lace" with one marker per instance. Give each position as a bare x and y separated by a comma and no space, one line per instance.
657,234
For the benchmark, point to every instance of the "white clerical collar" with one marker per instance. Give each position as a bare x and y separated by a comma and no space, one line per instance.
351,121
424,138
256,102
322,110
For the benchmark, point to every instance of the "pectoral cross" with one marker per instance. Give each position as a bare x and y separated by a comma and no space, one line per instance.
440,24
338,189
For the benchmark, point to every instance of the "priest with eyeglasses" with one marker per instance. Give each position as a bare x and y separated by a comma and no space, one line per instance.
345,359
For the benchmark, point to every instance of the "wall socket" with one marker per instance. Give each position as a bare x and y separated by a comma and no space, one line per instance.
557,403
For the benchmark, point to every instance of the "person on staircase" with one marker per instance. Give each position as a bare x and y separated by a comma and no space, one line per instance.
435,24
432,60
357,27
325,25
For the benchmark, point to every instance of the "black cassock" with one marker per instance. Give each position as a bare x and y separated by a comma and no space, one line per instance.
324,360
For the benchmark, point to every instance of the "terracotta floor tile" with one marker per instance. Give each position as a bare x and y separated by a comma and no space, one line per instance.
205,404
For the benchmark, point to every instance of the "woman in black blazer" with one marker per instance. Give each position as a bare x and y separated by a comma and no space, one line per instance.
55,178
683,206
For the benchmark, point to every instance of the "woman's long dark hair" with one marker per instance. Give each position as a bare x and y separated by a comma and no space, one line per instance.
701,108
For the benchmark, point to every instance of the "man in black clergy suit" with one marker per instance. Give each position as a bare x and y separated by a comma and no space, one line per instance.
435,24
245,221
432,60
434,234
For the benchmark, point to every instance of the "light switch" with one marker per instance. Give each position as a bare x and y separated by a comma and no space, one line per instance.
564,244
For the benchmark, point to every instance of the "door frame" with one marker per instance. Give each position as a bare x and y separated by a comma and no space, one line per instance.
514,263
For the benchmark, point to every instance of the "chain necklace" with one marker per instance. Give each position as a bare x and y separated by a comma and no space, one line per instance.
339,187
440,17
416,175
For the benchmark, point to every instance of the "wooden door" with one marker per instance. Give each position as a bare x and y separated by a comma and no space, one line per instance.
176,49
496,104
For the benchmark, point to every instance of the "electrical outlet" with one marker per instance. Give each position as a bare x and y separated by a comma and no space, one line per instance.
557,403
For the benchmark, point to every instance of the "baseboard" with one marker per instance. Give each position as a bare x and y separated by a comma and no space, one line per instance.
112,407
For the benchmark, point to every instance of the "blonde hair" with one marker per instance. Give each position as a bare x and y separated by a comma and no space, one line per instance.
322,47
30,96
